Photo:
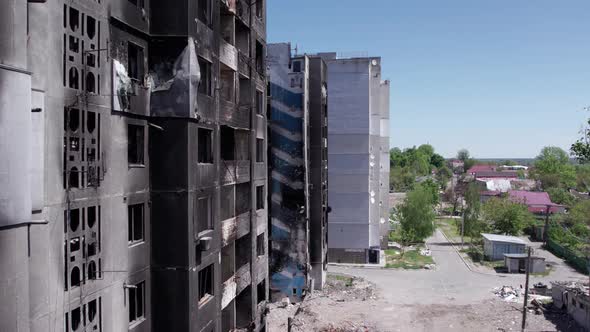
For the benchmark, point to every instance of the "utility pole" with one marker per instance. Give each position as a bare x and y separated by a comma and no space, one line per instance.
526,289
462,227
546,229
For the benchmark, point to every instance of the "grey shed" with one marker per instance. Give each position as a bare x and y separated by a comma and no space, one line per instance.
495,246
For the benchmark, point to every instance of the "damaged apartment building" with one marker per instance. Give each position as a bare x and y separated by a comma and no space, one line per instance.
133,173
358,132
298,172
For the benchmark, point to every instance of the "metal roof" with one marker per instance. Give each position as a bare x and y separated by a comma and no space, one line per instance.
503,238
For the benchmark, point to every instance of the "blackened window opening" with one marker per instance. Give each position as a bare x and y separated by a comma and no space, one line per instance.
205,146
136,302
205,284
204,220
135,223
205,84
227,137
135,144
135,61
259,197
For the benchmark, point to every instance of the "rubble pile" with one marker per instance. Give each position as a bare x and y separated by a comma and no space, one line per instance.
509,293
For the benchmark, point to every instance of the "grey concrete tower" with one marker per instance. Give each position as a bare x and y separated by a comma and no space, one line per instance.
358,164
132,165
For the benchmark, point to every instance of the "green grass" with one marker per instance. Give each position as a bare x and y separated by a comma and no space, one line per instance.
475,254
411,260
347,280
450,227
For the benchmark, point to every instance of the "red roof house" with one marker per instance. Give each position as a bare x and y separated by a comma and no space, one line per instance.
536,201
481,168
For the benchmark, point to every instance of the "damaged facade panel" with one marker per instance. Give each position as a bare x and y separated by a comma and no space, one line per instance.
113,158
289,165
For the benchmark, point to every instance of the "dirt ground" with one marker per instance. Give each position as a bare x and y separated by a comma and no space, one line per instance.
347,305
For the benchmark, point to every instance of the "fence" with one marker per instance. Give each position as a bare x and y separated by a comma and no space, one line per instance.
580,263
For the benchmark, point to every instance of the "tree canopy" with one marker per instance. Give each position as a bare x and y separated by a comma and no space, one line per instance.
411,163
463,155
581,148
506,217
472,226
553,168
416,214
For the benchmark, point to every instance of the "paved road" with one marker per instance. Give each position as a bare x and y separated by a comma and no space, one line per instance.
451,281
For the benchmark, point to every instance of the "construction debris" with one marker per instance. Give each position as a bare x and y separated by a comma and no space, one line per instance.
509,293
425,252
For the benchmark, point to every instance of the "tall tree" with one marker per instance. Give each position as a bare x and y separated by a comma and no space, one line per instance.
416,214
581,148
437,160
463,155
472,226
506,217
553,168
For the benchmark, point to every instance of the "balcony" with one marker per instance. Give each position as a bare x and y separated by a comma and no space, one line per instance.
228,292
235,171
242,224
228,55
204,40
243,65
236,117
243,278
228,231
243,11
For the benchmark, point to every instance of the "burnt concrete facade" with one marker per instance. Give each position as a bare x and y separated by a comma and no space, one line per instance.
131,173
298,172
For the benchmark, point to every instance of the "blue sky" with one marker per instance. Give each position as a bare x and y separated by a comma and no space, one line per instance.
500,78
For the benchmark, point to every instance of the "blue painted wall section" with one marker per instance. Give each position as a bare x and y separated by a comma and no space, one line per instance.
288,235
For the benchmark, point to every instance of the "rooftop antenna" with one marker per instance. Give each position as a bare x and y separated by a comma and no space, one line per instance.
296,50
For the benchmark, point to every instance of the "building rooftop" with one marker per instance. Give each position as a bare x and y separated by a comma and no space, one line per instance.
481,168
503,238
537,201
494,174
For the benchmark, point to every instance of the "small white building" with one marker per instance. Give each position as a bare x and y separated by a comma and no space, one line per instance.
495,246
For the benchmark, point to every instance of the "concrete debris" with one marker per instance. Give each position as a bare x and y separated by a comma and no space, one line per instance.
425,252
509,293
429,266
285,302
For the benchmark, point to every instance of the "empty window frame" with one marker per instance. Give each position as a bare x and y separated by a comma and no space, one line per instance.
259,8
136,301
205,146
204,12
204,218
261,291
206,290
228,143
259,102
205,84
136,223
135,144
135,61
259,57
259,197
296,66
260,249
243,198
259,150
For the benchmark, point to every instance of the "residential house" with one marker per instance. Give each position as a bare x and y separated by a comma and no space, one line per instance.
538,202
